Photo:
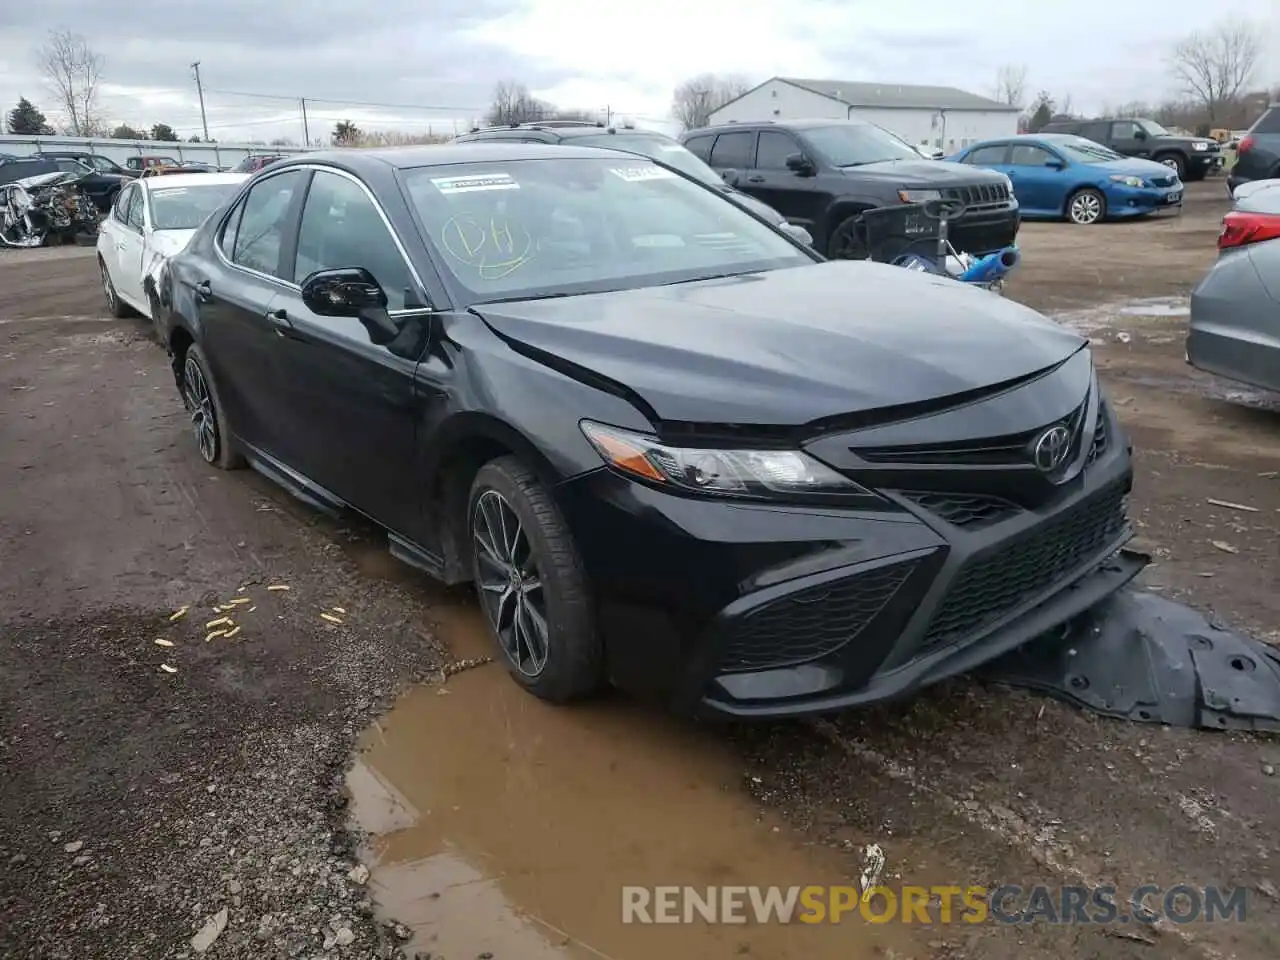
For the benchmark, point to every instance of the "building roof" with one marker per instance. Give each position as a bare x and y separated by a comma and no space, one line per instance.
898,95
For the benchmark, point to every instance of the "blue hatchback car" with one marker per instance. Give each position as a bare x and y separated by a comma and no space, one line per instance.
1057,176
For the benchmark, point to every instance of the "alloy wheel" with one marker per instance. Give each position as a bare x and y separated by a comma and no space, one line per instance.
108,288
1085,208
1170,162
510,583
846,244
204,422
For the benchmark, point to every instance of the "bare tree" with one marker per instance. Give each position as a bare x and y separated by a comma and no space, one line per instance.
1213,67
1011,84
73,71
1065,108
512,103
696,99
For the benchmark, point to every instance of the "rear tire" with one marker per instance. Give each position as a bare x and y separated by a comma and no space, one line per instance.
208,422
115,306
531,584
1086,207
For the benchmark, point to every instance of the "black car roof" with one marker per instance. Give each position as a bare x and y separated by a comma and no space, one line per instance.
405,158
806,124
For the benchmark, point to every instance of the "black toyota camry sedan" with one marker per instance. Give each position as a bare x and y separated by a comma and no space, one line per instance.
672,448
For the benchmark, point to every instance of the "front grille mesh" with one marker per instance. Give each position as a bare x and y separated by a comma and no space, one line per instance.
811,623
979,194
969,510
991,586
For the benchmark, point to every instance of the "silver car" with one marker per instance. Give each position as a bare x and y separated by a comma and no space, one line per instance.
1235,311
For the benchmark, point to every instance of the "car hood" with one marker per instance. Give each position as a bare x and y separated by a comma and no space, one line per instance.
788,347
912,173
168,242
1133,167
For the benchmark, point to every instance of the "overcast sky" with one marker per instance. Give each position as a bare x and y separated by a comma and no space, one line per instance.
435,63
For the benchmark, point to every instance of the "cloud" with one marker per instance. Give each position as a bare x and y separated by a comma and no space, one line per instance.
436,63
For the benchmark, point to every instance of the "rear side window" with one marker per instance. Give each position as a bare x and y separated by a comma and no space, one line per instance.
1269,122
987,156
261,230
733,149
700,147
1098,132
121,208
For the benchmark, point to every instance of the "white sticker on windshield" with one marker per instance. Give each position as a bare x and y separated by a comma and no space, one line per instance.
475,182
647,172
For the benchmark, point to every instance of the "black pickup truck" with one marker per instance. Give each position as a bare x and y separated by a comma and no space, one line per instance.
824,174
1194,158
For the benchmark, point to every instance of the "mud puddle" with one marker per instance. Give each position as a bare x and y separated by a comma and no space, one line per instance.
505,827
1106,316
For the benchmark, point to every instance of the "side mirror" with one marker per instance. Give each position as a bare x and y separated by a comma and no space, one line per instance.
797,233
1139,134
351,292
799,163
1054,164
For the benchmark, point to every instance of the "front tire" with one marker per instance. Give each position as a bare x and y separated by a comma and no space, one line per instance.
208,422
531,585
1174,163
846,241
1086,207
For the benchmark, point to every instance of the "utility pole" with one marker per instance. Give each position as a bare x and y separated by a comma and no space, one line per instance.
608,115
306,131
204,123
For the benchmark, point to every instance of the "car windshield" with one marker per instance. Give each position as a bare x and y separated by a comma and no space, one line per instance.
658,148
853,144
1153,128
551,227
185,208
1086,151
103,164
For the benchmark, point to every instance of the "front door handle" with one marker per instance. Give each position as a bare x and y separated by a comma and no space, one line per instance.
755,179
204,291
280,320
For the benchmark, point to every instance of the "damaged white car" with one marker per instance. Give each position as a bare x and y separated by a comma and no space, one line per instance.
151,220
46,207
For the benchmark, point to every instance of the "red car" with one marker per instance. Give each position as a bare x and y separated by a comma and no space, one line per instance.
254,164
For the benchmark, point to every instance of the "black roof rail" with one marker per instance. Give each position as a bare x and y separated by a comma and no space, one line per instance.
552,124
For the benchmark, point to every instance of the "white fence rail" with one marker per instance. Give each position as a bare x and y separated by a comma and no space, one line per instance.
218,154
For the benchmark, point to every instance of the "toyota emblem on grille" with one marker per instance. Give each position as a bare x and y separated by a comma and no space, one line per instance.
1051,448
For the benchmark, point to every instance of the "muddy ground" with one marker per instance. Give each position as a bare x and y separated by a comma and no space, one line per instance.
138,804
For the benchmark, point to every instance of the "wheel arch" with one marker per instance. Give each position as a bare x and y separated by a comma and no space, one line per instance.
459,450
841,210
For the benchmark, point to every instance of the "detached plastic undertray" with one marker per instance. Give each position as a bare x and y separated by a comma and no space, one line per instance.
1139,656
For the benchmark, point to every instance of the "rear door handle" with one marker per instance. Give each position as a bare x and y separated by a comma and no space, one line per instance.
755,179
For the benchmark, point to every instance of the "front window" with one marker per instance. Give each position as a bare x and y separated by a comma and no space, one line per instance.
185,208
657,148
546,227
1086,151
855,144
1153,129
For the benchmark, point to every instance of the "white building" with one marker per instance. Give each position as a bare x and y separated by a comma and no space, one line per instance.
941,117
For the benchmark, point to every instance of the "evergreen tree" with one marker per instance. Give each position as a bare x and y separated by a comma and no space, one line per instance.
25,119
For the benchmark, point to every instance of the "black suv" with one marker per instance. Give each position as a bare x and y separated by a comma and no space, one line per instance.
95,161
823,174
1194,158
101,188
646,143
1258,153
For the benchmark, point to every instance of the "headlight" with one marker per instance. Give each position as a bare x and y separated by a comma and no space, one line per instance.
734,473
1007,182
919,196
1200,145
1129,181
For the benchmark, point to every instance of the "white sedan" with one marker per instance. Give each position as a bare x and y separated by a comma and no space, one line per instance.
151,220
